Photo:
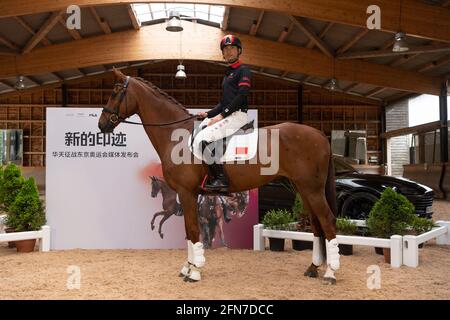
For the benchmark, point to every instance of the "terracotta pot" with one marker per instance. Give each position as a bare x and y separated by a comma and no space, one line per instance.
387,255
11,244
25,245
276,244
300,245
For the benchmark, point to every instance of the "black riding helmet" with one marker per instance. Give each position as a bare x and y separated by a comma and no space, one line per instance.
230,40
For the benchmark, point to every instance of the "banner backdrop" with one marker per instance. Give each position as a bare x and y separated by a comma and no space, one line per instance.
98,190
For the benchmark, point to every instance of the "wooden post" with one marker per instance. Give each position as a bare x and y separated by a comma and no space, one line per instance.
44,242
258,239
443,119
396,251
410,251
445,238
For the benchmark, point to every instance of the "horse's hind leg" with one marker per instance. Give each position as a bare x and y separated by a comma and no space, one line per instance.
319,252
325,216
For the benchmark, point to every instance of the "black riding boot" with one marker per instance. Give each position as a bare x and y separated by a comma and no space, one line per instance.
218,180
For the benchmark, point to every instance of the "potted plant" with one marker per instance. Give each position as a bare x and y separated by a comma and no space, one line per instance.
277,220
10,184
345,226
392,214
26,214
303,224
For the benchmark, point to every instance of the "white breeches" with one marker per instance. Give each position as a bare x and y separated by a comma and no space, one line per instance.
221,129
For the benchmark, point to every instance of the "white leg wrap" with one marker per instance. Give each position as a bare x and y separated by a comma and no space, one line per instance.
185,270
329,273
198,255
190,251
195,274
318,254
333,254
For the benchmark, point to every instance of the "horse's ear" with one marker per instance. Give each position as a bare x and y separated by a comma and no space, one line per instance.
118,75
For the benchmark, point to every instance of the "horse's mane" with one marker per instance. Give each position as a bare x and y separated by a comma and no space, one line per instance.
164,94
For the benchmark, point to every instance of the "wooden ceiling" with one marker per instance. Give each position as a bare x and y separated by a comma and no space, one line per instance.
309,41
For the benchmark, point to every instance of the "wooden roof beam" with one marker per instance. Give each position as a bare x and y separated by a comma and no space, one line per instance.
344,48
133,17
44,29
350,87
139,46
285,33
434,64
419,19
387,53
322,34
44,39
102,23
374,92
72,32
256,23
312,36
226,18
9,44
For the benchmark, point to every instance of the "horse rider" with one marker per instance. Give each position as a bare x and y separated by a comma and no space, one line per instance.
229,115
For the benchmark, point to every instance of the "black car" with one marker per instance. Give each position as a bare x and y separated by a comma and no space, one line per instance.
356,193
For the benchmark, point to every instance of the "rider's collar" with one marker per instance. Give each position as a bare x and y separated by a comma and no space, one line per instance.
235,65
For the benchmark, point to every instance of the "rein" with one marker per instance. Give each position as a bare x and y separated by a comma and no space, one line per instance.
115,116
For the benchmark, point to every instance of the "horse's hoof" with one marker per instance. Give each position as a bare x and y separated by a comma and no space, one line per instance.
329,281
311,274
181,275
187,279
161,235
153,227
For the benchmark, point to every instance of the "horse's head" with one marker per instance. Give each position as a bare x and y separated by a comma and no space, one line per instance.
156,186
119,106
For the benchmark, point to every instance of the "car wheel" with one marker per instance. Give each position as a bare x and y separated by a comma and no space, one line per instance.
357,206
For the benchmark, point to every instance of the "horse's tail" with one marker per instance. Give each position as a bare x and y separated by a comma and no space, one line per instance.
330,187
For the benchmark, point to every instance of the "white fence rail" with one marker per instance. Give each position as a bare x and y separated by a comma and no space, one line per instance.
404,250
411,243
42,235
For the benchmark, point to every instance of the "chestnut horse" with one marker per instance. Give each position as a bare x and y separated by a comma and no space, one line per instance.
304,157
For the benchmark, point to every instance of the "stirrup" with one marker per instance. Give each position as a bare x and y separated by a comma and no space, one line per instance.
212,187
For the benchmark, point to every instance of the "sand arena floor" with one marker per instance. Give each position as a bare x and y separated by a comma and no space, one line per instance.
228,274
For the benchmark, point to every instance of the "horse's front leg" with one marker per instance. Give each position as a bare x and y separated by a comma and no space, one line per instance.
196,258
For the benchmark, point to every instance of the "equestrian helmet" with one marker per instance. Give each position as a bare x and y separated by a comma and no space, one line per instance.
230,40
